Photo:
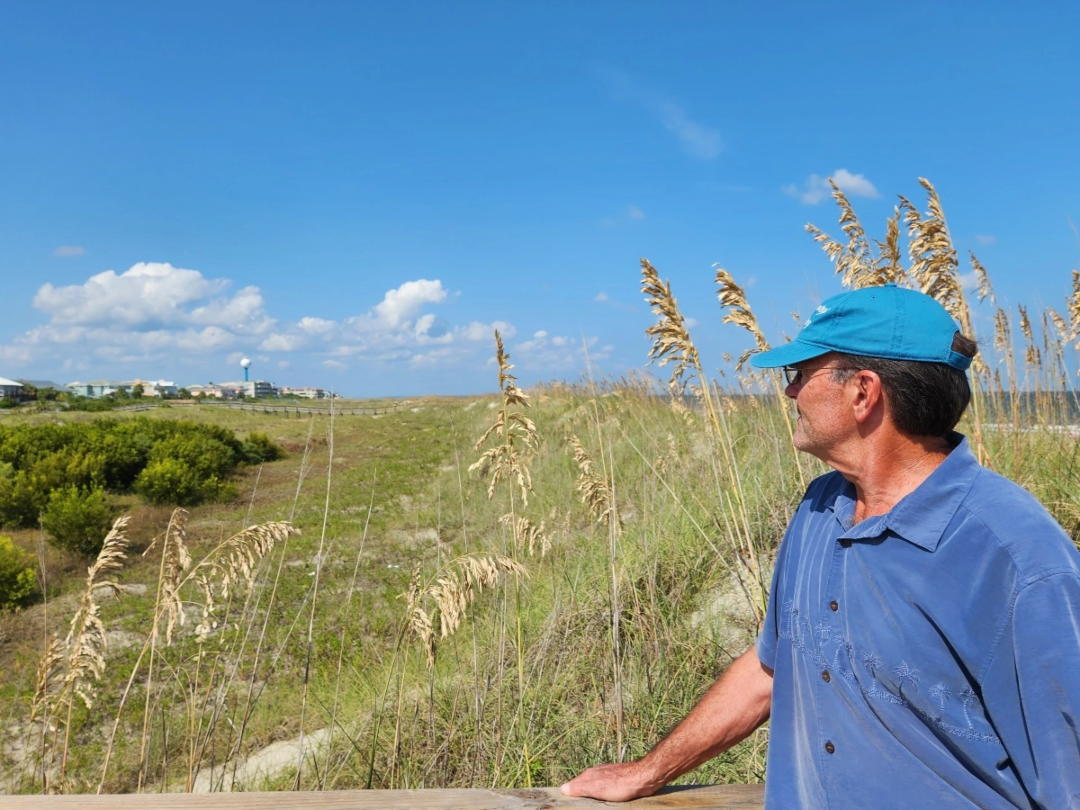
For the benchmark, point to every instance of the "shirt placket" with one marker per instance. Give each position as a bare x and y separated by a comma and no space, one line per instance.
827,612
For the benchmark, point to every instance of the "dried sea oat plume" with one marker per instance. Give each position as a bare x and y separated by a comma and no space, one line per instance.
671,341
1060,325
234,562
175,562
1002,330
855,261
87,641
453,589
595,493
934,265
49,672
510,458
1074,308
528,533
733,298
983,288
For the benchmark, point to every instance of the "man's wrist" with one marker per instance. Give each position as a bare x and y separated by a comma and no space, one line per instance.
651,772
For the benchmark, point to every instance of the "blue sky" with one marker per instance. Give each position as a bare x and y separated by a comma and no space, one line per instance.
354,194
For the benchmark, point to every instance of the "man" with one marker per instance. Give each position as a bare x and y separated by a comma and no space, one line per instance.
922,642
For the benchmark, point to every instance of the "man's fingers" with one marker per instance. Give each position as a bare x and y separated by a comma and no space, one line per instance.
613,783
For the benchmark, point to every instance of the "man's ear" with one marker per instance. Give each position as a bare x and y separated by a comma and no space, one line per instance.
867,396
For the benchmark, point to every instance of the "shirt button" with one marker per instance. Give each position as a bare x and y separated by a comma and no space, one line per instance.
830,747
845,543
825,676
834,605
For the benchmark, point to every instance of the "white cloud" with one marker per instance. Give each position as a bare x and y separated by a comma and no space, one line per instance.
601,297
546,351
67,251
151,293
817,188
477,331
155,312
635,213
985,239
277,342
403,304
316,326
696,139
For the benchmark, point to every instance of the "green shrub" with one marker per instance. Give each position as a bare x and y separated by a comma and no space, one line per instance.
167,461
172,482
17,580
259,448
78,519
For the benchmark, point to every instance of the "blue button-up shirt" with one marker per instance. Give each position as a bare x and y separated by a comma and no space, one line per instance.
929,657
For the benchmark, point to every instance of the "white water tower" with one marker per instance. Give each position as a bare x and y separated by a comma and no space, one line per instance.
245,364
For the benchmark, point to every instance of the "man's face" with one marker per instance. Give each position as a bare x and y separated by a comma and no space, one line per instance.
824,421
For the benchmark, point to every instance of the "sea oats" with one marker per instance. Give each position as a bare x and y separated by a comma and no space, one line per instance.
454,587
87,640
509,458
671,340
595,492
175,562
527,533
1073,308
732,297
983,288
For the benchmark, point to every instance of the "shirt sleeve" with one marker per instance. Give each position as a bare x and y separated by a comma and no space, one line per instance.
765,646
1031,690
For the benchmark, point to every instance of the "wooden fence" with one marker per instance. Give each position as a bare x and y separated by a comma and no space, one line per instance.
256,407
715,797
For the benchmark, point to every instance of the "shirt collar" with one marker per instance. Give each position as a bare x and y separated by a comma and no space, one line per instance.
921,516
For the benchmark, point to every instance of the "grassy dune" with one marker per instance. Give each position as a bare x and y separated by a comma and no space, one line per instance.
541,582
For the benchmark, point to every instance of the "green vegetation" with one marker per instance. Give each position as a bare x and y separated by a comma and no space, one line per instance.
493,591
59,474
78,519
17,579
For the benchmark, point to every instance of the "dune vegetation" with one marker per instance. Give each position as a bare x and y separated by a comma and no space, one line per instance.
486,591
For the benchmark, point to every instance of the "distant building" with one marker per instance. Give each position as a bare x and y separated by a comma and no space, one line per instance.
96,389
223,391
254,388
10,389
306,393
150,388
39,384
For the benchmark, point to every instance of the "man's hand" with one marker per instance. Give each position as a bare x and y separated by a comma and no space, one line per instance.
612,783
735,705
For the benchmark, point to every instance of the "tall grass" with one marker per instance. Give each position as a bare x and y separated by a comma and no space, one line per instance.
610,555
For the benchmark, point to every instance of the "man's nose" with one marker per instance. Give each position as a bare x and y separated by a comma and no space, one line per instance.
792,390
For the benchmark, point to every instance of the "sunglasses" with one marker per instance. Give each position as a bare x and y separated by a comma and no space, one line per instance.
798,376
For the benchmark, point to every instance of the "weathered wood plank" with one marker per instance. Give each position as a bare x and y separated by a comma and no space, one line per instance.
714,797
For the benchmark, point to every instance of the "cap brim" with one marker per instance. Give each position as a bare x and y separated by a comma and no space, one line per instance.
787,355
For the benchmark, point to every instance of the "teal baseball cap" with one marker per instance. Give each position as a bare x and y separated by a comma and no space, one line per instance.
887,321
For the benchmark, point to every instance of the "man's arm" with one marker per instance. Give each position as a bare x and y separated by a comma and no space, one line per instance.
732,708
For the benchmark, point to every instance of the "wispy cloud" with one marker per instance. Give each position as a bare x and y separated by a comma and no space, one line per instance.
66,251
630,214
817,188
985,239
549,351
695,138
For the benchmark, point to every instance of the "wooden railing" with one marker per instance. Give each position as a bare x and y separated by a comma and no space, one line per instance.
715,797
